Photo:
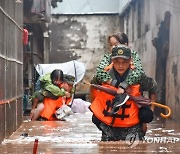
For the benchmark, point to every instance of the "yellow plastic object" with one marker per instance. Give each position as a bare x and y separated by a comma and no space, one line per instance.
164,107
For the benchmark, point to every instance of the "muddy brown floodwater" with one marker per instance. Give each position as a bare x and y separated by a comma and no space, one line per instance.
77,135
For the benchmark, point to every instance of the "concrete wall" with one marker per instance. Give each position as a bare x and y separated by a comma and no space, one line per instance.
144,22
82,38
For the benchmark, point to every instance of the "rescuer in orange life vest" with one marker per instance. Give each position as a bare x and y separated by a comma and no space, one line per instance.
117,116
53,85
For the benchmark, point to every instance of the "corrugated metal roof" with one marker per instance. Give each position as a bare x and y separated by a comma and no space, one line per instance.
89,6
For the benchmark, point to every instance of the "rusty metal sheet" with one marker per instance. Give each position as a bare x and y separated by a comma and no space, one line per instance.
11,67
2,77
2,122
10,114
19,112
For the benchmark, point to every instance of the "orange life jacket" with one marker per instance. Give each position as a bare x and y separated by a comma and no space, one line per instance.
93,93
127,116
50,106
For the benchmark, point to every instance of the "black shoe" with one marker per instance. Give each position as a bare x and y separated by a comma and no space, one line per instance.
118,101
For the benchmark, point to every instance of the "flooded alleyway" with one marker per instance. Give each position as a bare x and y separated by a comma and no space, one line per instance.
77,135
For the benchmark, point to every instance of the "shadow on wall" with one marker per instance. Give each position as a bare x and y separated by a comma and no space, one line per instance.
161,43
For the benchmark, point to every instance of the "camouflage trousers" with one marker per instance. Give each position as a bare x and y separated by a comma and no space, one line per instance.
118,133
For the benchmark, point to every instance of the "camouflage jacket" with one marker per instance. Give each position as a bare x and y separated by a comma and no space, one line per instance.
133,77
46,84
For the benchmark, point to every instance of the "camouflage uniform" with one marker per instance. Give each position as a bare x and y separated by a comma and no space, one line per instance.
110,133
133,77
148,84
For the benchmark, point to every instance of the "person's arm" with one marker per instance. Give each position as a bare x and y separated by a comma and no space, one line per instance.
55,90
150,85
136,72
101,75
37,97
153,98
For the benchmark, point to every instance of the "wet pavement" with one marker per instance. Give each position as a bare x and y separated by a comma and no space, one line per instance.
77,135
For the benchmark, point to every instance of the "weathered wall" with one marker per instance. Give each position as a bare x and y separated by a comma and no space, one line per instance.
153,30
11,67
82,38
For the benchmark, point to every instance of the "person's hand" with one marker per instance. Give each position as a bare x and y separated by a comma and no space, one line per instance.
128,90
109,82
120,90
67,94
107,68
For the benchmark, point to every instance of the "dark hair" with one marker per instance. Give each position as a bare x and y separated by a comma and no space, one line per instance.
121,38
69,79
57,75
